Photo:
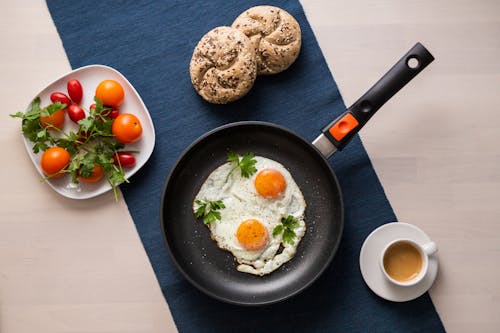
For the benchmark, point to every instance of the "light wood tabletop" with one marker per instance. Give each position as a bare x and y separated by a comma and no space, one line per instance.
79,266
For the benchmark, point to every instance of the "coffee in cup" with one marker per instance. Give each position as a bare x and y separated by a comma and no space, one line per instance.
405,262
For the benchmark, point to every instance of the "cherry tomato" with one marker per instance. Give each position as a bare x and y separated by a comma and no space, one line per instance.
92,106
125,159
96,175
60,97
56,119
110,92
76,113
113,114
75,90
127,128
53,161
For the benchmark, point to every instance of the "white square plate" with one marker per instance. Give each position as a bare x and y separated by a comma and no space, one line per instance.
90,76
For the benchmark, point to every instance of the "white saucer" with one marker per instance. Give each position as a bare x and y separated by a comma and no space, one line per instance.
370,267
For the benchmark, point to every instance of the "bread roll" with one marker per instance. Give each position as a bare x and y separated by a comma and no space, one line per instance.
275,35
223,66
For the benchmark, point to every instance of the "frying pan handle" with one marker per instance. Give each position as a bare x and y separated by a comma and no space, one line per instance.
342,130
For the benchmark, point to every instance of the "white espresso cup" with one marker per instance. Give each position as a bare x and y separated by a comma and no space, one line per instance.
405,262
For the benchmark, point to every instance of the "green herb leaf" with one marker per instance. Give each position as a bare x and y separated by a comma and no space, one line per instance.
278,230
103,127
52,108
290,222
208,210
201,209
287,226
40,146
100,110
212,216
86,124
31,125
117,178
233,157
42,134
216,205
289,236
17,115
33,112
246,163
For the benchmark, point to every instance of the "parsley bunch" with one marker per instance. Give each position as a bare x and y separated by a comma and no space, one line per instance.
209,210
93,143
287,226
246,163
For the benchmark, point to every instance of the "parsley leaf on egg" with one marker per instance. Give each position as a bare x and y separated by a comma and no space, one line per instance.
278,230
246,163
288,224
209,210
233,157
289,236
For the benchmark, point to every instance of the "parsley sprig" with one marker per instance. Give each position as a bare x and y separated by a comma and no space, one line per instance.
32,127
91,144
287,226
245,163
209,210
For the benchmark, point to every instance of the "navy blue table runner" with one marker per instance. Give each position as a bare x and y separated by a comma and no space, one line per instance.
151,43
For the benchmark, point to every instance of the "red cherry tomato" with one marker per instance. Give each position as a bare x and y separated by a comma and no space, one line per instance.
114,113
92,106
76,113
60,97
75,90
125,159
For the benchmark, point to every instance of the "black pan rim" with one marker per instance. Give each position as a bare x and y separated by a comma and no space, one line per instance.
205,290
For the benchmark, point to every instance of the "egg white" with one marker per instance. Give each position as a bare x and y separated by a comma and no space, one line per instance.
242,203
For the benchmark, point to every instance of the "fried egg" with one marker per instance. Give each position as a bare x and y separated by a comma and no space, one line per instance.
253,208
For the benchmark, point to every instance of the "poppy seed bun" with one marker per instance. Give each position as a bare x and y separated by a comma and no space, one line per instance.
223,67
275,35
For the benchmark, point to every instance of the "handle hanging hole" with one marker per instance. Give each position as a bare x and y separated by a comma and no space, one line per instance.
412,62
365,106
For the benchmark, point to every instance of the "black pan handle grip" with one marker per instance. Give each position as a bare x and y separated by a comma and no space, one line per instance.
342,130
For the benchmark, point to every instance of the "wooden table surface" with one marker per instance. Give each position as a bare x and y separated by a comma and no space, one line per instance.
79,266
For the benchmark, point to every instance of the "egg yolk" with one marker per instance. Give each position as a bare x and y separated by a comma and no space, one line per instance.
270,183
252,235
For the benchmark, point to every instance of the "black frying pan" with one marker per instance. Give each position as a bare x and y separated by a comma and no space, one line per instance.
213,270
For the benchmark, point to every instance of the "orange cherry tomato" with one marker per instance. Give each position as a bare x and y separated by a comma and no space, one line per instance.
56,119
53,161
127,128
96,175
110,92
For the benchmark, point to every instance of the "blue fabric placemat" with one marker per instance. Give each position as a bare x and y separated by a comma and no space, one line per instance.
151,43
